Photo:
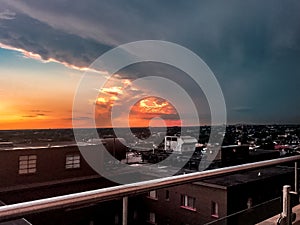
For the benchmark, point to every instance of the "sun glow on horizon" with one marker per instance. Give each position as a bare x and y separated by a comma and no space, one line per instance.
153,111
34,95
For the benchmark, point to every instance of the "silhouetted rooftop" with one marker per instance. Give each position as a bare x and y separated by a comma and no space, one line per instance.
246,177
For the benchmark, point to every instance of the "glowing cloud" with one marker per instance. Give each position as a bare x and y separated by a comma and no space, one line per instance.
35,56
154,105
112,90
149,109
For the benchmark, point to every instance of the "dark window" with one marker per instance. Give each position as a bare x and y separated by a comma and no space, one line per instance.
188,202
135,215
116,219
214,209
167,195
152,194
151,217
249,203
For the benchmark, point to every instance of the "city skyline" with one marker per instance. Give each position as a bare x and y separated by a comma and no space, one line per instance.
252,47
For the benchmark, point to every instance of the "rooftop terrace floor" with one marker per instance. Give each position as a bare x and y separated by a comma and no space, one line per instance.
273,220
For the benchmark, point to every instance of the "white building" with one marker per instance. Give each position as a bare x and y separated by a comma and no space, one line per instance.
180,144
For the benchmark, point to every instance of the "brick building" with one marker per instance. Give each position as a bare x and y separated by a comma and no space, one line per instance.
212,199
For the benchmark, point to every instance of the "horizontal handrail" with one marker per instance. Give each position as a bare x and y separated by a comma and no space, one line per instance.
19,210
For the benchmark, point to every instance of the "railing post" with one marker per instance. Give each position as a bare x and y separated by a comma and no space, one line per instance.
125,210
286,204
296,178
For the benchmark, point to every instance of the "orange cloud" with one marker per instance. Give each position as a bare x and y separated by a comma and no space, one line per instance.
154,105
104,104
113,90
144,112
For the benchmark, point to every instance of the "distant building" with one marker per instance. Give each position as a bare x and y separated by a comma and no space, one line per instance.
180,144
115,146
30,173
52,170
227,155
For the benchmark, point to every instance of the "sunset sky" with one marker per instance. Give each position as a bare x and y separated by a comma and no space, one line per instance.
252,47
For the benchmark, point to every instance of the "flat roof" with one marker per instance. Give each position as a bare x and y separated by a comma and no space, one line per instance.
262,152
245,177
47,146
234,146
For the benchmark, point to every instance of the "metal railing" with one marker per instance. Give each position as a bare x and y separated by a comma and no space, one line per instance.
19,210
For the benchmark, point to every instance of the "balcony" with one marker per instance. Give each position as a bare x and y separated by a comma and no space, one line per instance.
122,192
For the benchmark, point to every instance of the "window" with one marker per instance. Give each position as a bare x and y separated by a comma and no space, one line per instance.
249,203
72,161
116,219
151,217
135,215
214,209
188,202
27,164
152,194
166,221
167,195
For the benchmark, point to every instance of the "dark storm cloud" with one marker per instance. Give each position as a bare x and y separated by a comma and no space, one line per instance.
253,47
7,15
31,35
238,32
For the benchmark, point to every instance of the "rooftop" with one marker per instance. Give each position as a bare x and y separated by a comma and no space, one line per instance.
47,146
246,177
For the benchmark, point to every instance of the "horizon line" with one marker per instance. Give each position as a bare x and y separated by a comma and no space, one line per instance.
204,125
